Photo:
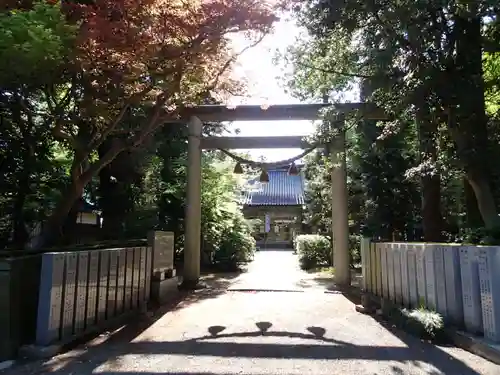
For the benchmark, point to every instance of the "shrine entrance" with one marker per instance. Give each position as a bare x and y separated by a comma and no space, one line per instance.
199,115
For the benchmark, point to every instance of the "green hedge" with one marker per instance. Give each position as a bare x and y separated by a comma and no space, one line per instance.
323,257
313,251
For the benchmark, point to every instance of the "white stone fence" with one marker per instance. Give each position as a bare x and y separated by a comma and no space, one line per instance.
462,283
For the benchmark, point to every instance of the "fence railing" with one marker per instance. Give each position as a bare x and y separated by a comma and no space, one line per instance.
460,282
82,290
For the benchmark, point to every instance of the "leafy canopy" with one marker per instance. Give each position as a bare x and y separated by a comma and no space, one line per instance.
33,44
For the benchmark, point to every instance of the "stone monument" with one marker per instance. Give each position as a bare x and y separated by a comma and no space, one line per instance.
164,281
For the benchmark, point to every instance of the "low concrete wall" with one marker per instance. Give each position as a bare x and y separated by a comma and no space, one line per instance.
19,279
57,296
460,282
82,290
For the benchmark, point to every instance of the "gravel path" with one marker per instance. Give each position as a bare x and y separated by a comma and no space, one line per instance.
257,333
276,271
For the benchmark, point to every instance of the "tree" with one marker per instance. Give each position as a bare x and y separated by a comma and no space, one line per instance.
137,65
423,61
34,48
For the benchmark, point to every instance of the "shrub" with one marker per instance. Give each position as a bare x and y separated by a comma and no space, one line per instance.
481,236
236,246
424,323
313,250
227,236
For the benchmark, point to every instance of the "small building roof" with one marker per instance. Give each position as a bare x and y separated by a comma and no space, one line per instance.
281,190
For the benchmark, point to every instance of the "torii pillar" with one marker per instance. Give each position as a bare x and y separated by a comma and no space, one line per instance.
192,222
340,217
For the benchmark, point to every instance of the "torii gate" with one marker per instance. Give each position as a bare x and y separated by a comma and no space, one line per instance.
218,113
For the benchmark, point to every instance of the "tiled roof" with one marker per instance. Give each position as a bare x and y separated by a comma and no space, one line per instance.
281,190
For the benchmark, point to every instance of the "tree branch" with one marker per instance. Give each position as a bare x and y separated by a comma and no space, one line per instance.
117,146
329,71
156,120
232,59
56,114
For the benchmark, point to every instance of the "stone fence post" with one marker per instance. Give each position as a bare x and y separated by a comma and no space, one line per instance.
366,306
365,262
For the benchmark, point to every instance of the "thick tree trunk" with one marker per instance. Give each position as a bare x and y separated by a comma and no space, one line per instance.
432,220
473,215
70,233
485,199
112,204
52,229
20,233
115,198
469,123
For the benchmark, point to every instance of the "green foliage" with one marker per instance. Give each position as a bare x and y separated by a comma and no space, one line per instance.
34,47
355,249
226,235
386,200
382,196
161,202
236,246
423,323
314,60
313,251
491,64
33,43
405,176
481,236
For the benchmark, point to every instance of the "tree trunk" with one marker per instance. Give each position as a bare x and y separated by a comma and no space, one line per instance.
111,202
115,198
70,233
469,122
20,233
484,197
432,220
473,215
52,228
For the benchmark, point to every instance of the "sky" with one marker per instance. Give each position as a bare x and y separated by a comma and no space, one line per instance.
256,66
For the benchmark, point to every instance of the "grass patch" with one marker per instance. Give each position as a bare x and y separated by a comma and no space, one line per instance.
430,323
420,322
322,271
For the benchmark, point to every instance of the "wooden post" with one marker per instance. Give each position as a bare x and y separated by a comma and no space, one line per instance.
340,219
192,249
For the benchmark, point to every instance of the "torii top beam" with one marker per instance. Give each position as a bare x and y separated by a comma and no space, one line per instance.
219,113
